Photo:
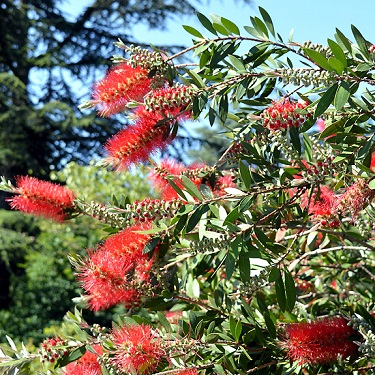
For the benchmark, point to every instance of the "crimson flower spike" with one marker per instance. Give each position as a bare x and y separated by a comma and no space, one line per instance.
320,342
87,365
122,84
117,271
138,349
41,198
135,143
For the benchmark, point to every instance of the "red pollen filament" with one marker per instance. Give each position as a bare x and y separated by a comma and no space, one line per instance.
137,142
138,349
122,84
319,342
41,198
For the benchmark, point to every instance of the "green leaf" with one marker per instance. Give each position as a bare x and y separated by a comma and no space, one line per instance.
230,26
191,188
340,37
318,58
307,146
270,325
325,101
73,356
195,217
274,275
220,28
150,245
338,52
206,23
364,67
259,25
336,64
232,216
199,103
244,174
361,41
230,262
254,32
192,287
280,293
237,63
267,19
196,78
244,265
294,138
177,189
332,129
193,31
290,289
371,185
218,24
342,95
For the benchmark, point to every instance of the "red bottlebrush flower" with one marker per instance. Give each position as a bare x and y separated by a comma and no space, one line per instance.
372,163
167,167
41,198
322,206
138,349
87,365
224,182
122,84
173,316
117,271
355,198
134,144
319,342
282,114
170,168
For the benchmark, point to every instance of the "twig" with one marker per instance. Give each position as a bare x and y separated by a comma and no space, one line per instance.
322,251
261,366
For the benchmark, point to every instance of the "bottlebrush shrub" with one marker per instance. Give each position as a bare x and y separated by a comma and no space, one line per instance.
261,263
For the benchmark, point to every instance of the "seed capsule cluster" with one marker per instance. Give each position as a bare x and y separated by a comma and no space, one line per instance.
152,209
53,349
168,98
307,77
153,61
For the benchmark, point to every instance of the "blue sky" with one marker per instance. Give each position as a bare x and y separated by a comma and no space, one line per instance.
315,21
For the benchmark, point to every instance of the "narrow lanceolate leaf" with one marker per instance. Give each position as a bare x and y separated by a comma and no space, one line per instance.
230,26
290,290
338,52
342,95
237,63
193,31
206,23
333,128
318,58
191,188
267,20
195,217
340,37
307,143
326,100
361,41
151,245
245,174
280,294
